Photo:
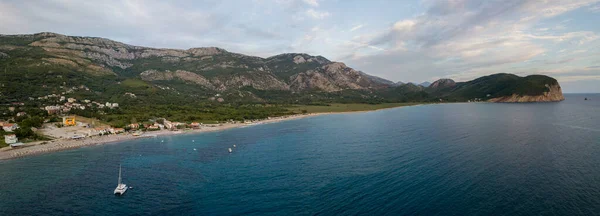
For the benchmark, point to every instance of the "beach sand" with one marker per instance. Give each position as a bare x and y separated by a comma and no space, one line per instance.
42,147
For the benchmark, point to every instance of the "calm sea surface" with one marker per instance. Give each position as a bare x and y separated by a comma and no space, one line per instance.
451,159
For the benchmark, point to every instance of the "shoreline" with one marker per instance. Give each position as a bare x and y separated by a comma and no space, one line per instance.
37,148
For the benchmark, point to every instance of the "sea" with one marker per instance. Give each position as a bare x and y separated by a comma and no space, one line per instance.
443,159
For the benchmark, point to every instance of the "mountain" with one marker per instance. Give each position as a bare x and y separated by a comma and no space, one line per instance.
500,88
101,69
442,84
425,84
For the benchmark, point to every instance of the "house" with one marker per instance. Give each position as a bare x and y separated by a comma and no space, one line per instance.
52,109
10,127
153,127
115,105
10,139
12,109
117,130
195,125
71,100
21,114
169,125
161,126
99,131
133,126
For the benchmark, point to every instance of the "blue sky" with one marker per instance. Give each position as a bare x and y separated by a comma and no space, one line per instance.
411,40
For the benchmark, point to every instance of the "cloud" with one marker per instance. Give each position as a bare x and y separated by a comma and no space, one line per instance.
312,13
313,3
467,38
357,27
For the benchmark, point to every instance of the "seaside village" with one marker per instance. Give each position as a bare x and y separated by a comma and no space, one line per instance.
59,123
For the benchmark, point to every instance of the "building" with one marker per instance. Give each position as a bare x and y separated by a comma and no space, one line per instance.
52,109
195,125
98,131
169,125
12,109
133,126
117,130
69,121
10,127
72,100
153,127
19,114
10,139
115,105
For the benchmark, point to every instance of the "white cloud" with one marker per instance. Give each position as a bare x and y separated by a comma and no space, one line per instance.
357,27
312,13
464,39
313,3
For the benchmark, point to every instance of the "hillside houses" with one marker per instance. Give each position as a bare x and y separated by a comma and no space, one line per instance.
9,127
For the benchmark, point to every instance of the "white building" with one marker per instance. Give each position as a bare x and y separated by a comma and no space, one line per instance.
8,127
10,139
71,100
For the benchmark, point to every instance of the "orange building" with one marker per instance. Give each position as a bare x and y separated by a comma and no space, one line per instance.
69,121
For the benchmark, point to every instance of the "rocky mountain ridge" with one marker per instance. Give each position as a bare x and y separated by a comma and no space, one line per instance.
49,62
211,67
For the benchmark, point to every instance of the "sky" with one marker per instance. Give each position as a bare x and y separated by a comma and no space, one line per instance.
400,40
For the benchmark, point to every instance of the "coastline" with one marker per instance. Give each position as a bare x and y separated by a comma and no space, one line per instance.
36,148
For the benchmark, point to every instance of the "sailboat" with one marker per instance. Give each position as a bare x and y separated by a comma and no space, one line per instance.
121,188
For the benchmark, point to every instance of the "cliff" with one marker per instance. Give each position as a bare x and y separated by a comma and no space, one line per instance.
554,94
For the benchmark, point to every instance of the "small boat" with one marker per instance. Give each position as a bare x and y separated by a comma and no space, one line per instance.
234,145
586,99
121,188
193,140
194,149
230,150
162,141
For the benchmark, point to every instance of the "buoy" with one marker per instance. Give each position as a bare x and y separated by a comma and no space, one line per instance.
230,150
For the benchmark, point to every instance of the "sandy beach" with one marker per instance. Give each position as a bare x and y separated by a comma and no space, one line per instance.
41,147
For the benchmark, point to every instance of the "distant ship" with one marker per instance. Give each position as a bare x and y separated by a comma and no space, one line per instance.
121,188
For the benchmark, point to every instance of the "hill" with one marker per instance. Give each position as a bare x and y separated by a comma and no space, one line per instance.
103,70
500,88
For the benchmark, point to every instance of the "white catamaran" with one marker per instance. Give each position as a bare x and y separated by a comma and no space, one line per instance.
121,188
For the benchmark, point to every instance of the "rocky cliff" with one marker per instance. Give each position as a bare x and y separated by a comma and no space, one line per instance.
554,94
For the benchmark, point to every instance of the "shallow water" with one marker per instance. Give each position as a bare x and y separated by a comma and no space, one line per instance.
450,159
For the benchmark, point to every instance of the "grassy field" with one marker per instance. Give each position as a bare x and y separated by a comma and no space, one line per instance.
346,107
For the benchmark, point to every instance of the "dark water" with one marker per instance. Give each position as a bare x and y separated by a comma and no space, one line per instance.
453,159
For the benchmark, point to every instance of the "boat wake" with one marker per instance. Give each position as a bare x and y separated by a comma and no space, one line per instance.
577,127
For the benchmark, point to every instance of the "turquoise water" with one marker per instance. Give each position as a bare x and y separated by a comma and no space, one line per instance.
450,159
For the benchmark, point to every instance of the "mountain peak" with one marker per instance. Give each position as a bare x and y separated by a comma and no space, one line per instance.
443,83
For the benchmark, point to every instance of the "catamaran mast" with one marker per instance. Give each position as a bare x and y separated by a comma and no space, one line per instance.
119,175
